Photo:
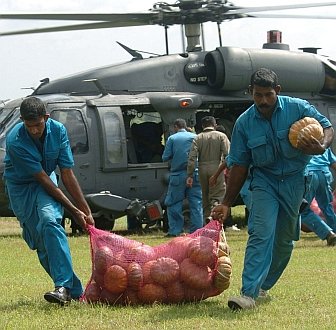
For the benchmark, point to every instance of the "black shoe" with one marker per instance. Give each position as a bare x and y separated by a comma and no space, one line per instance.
60,295
331,239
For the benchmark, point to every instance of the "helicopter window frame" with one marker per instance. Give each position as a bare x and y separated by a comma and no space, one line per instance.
7,123
74,122
147,134
113,137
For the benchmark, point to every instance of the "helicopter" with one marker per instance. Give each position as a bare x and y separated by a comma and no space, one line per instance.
118,116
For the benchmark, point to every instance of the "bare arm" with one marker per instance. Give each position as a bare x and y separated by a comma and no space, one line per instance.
81,212
72,186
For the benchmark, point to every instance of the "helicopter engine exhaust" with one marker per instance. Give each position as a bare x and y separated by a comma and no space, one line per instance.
230,69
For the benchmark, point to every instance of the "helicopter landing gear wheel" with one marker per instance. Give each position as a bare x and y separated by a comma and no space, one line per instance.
133,224
104,223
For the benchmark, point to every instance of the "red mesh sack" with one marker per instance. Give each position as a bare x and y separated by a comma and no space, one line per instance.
186,268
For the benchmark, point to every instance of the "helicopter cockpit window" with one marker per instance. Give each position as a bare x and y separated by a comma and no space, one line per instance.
9,117
112,130
74,123
329,87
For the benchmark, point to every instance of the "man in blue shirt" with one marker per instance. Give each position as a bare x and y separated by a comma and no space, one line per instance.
34,148
260,145
319,178
177,151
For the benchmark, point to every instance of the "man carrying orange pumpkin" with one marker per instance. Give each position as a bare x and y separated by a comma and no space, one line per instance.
260,142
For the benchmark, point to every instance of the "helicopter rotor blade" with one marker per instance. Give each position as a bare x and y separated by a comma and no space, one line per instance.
119,17
292,16
189,12
245,10
75,27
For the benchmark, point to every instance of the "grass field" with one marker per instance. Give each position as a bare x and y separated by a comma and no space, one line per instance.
304,298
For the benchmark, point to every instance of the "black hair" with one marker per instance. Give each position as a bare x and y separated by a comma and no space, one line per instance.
221,128
32,108
180,123
264,78
208,121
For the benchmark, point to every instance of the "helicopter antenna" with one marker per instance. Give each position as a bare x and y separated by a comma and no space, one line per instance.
136,53
219,34
42,83
133,52
99,86
182,38
202,34
166,39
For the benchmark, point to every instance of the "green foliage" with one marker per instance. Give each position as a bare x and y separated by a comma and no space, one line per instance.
303,298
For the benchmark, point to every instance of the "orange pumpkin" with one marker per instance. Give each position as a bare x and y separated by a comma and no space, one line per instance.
223,249
314,130
130,298
295,129
134,276
140,254
175,292
92,292
146,271
223,273
177,248
151,293
193,295
202,251
103,258
115,279
195,276
119,259
98,277
165,270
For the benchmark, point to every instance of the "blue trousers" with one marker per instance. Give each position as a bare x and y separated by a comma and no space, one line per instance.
319,187
273,226
177,192
40,217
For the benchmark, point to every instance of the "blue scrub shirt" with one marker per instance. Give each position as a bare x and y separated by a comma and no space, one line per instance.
277,187
39,214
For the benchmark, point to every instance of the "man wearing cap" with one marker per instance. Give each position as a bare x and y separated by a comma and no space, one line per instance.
34,148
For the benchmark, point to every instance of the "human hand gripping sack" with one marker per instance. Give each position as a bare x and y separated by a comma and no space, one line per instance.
220,212
82,219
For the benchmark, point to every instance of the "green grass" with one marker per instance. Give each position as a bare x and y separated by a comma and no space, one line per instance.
304,298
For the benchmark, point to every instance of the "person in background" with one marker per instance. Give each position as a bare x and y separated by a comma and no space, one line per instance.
260,146
208,149
34,148
244,193
319,178
177,150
